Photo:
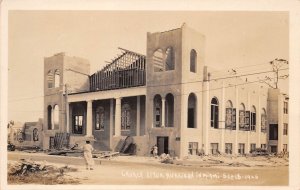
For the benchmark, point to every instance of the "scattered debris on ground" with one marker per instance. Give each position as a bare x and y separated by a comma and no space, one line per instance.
28,171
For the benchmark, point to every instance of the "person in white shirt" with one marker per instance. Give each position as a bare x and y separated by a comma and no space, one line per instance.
87,154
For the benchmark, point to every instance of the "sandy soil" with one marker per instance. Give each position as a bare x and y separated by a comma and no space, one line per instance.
209,170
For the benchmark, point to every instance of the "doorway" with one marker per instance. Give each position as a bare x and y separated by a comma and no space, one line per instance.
273,149
163,145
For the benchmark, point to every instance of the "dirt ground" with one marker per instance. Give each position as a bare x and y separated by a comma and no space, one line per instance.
209,170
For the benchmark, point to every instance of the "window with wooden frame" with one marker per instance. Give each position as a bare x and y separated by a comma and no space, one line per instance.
125,117
99,119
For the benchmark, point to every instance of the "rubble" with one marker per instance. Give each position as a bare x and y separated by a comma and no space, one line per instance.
28,171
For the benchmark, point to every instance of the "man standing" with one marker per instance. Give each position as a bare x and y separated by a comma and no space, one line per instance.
87,154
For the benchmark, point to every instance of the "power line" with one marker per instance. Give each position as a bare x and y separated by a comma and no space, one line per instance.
213,79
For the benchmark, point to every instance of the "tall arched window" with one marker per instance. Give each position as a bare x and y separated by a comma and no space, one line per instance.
157,110
125,117
99,120
56,116
158,64
169,110
170,59
214,113
49,116
253,119
242,117
193,61
78,119
263,120
35,134
56,78
50,79
192,111
230,118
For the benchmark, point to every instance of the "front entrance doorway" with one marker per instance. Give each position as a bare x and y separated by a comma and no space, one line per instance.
163,145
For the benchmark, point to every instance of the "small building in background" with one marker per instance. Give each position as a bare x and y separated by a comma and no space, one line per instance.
28,134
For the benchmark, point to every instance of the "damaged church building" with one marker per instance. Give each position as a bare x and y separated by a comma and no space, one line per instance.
168,97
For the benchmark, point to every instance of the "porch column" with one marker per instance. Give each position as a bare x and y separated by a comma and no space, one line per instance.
163,107
138,115
89,119
118,117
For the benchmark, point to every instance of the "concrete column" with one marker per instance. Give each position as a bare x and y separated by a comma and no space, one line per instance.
236,147
89,119
163,111
138,115
118,117
206,116
111,122
223,113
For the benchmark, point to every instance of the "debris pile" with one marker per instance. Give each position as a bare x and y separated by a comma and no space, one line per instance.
28,171
166,159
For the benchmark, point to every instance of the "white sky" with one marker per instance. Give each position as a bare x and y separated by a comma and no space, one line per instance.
233,39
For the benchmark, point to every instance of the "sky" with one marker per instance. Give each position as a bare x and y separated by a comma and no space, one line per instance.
233,40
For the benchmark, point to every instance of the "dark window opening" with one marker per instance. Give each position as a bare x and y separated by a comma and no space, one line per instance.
273,132
193,61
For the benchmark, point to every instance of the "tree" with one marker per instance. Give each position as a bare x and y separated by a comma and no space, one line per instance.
277,66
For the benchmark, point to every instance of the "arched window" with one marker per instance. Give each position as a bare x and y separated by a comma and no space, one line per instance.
158,61
78,119
49,116
192,111
170,60
193,61
56,117
50,79
35,134
242,117
157,110
99,120
253,119
230,117
56,78
169,110
263,120
214,113
125,117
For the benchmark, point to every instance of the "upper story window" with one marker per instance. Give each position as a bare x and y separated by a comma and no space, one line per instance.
157,104
125,117
170,65
50,79
158,61
193,61
56,78
230,117
214,113
285,107
253,119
